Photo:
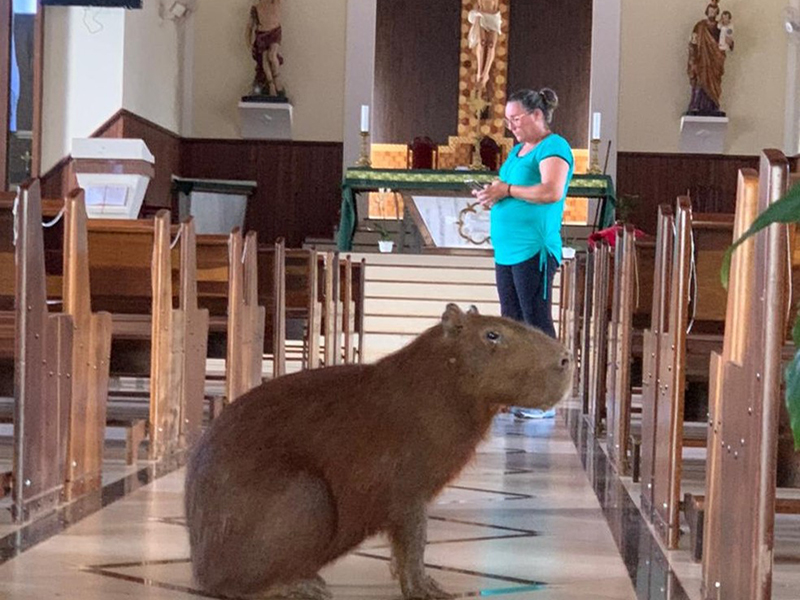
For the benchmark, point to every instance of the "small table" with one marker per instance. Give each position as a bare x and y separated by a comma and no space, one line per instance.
360,179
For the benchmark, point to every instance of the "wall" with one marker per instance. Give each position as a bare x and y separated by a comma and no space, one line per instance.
151,55
654,89
82,75
551,47
416,97
314,50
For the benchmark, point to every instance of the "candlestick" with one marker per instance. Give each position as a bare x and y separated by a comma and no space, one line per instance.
596,126
364,160
364,118
594,157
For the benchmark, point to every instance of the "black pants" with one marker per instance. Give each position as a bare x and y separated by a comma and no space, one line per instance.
526,291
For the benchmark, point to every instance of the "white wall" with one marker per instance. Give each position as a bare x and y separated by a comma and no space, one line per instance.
654,89
313,48
82,75
151,71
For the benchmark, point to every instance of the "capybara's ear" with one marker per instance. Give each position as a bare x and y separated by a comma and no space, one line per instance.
473,310
452,319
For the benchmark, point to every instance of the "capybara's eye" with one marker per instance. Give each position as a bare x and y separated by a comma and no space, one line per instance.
492,336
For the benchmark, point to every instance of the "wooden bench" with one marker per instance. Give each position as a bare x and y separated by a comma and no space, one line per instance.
272,296
634,267
302,302
132,277
359,286
571,307
740,502
651,349
696,262
329,274
598,334
36,348
91,355
227,283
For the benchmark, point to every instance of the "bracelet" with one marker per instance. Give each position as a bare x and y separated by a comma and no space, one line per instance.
509,190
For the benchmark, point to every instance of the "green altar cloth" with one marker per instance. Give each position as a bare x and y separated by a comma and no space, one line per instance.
360,179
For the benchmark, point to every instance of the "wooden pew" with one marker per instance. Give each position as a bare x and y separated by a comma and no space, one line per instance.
598,337
651,383
302,302
272,296
227,283
131,277
634,267
573,273
747,395
348,319
195,326
359,287
39,345
91,355
329,286
697,256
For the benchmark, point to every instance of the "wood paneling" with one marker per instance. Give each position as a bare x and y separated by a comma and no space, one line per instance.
299,183
165,146
709,179
550,46
416,70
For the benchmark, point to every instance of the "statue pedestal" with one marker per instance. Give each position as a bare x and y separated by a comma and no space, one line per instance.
703,135
265,120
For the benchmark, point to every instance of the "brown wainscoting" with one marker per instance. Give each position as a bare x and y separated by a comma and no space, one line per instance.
416,97
299,183
298,192
710,180
550,45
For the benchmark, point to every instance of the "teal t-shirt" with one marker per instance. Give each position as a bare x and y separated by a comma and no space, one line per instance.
520,229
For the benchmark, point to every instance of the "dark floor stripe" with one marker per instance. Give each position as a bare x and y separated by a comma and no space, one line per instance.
60,520
648,568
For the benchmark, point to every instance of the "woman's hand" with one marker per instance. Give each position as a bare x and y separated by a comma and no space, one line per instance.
492,193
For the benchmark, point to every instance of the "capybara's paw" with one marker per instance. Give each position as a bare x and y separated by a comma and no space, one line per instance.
427,589
307,589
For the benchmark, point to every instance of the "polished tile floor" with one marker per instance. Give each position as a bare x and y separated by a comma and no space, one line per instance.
538,514
522,521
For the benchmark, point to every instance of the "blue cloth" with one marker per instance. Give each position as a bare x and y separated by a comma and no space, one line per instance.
519,229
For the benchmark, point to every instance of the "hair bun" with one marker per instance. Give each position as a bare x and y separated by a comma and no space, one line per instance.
549,97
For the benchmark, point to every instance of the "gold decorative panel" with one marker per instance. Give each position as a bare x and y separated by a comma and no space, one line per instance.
494,93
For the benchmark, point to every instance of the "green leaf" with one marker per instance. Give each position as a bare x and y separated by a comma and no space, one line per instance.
793,385
785,210
793,397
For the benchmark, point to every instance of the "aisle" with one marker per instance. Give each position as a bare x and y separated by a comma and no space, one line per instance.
521,522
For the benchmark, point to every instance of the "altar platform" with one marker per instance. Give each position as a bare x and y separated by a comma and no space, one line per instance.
432,195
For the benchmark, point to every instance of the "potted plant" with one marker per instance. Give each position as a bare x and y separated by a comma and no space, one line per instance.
385,244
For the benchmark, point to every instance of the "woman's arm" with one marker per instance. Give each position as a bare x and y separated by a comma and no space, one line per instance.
554,171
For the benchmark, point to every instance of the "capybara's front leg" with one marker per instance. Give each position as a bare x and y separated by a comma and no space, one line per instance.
409,535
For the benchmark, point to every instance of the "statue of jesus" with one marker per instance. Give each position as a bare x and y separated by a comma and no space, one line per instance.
486,23
264,40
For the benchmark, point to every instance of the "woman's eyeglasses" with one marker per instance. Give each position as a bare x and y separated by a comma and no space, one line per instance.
514,121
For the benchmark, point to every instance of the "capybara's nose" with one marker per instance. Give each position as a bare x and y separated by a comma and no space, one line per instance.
566,360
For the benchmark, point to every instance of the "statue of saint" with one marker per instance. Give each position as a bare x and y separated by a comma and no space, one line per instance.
486,22
707,63
264,40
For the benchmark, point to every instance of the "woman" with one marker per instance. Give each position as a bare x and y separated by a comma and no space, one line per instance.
527,205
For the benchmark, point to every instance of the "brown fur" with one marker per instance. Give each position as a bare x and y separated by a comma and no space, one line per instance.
302,469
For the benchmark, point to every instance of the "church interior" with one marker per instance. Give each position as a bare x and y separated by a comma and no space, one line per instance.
207,198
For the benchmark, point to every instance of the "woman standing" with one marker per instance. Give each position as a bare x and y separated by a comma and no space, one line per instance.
527,205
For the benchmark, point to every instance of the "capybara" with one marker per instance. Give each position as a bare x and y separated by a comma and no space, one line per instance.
300,470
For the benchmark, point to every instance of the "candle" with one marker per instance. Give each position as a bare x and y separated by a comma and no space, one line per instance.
596,126
364,118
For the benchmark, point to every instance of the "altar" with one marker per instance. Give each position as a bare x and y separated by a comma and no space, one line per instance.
441,206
